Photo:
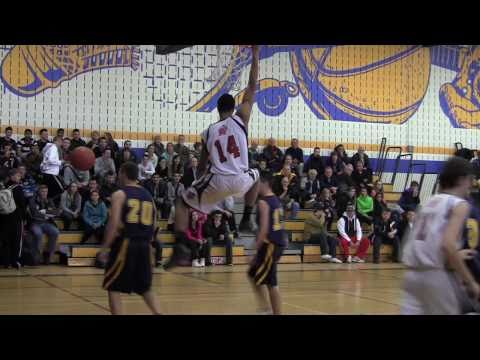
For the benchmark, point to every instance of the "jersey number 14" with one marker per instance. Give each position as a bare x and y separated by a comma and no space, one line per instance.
232,148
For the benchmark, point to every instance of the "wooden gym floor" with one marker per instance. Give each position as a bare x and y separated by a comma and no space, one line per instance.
307,289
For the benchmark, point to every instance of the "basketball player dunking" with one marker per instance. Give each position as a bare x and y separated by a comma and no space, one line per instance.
225,150
437,272
129,233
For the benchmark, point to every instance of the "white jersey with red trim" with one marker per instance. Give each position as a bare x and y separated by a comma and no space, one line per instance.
227,145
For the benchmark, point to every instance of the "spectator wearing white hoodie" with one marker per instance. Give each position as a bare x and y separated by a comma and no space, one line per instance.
350,235
50,167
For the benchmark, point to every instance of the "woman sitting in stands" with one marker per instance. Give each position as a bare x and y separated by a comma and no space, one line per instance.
377,188
327,203
198,243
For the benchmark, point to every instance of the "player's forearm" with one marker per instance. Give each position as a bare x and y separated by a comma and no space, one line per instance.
457,264
252,79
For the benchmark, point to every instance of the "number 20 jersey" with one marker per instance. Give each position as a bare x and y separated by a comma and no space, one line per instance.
227,145
423,249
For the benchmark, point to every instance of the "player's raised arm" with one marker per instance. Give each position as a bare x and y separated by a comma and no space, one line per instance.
203,162
113,226
245,108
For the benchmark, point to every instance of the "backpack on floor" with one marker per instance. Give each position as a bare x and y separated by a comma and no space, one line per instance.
7,202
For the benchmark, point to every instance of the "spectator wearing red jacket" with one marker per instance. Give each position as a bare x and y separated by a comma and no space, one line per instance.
198,243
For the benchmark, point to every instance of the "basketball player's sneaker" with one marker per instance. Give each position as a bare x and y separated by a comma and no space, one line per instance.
326,257
335,261
349,259
356,259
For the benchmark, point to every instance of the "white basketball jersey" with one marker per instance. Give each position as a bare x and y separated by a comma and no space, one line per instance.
423,249
227,146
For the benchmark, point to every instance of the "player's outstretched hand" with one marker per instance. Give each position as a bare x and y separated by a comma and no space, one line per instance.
255,50
467,254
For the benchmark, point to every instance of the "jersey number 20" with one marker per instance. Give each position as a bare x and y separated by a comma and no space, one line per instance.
142,211
232,148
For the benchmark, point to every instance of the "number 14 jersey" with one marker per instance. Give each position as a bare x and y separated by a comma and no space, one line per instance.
227,145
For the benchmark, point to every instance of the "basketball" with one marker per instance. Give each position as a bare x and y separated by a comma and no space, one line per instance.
82,158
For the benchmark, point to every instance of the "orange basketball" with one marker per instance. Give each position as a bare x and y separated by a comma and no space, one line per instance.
82,158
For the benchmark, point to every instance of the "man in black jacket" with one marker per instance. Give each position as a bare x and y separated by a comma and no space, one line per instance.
76,140
361,176
12,224
296,153
273,155
385,232
191,173
315,161
361,156
217,233
158,189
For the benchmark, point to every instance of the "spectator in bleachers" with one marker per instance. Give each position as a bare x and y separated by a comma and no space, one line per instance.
152,156
273,155
385,232
43,139
42,212
12,224
228,209
102,145
108,188
70,205
361,156
342,154
196,239
315,161
476,165
112,144
126,154
27,182
365,206
157,187
329,180
410,198
262,166
71,174
361,176
253,154
311,190
191,173
217,233
197,150
162,169
60,132
378,205
288,196
26,143
345,180
104,164
288,161
335,163
327,203
181,149
316,232
145,169
93,143
9,159
345,198
350,235
65,149
406,225
50,168
377,189
286,172
33,161
176,166
174,190
296,153
92,186
8,140
76,140
94,217
169,153
157,144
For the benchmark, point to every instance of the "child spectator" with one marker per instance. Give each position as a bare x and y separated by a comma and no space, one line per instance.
385,232
288,197
410,198
262,166
315,161
350,235
286,172
297,154
152,156
197,241
76,140
145,169
378,205
315,232
94,217
27,183
175,166
60,133
108,188
312,189
217,233
43,139
104,164
8,140
70,205
12,224
365,207
102,145
43,211
92,186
